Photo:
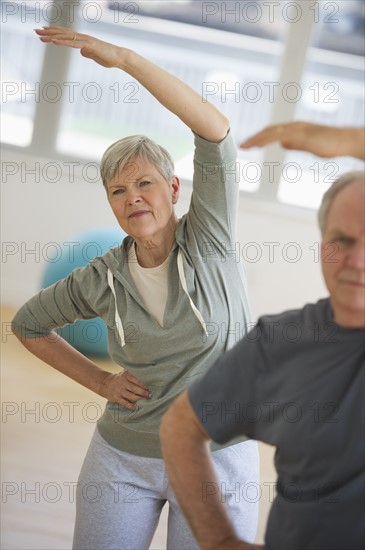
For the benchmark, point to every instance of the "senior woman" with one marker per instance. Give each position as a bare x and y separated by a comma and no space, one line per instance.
173,299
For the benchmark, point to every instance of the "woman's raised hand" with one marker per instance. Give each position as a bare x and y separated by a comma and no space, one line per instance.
107,55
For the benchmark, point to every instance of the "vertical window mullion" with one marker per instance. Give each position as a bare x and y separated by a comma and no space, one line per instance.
292,65
48,110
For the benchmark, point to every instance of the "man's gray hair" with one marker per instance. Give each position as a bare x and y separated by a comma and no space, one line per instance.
331,193
130,148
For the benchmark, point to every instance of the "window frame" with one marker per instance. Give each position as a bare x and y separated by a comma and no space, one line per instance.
295,51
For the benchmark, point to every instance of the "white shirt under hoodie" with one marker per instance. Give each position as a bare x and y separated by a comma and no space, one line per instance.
206,309
151,283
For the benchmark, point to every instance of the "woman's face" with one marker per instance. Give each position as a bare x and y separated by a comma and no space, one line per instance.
142,200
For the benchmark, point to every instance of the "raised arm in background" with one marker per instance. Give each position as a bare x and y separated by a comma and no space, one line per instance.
323,141
201,117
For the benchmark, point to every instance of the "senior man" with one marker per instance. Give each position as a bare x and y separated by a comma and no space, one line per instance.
296,382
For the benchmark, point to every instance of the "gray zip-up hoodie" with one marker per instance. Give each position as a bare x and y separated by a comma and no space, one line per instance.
206,310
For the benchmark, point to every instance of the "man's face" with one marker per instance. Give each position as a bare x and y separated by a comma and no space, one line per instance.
343,255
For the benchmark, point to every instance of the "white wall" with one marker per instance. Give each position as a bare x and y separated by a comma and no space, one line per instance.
36,213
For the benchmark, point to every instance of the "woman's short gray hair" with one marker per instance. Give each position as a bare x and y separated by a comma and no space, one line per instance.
330,194
129,148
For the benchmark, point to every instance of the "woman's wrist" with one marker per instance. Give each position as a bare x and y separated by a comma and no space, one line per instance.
123,59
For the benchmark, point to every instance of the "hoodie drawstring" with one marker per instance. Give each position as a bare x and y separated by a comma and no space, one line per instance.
118,320
182,278
197,313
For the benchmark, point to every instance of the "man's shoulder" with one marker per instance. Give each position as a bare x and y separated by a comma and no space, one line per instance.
314,312
297,326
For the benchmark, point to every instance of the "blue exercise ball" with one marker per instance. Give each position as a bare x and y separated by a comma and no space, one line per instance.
89,337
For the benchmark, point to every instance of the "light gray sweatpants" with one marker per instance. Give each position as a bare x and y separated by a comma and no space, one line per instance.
120,497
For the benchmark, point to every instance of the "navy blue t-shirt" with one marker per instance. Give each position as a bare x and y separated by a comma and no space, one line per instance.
296,381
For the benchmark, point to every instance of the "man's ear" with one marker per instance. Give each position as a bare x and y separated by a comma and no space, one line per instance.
175,184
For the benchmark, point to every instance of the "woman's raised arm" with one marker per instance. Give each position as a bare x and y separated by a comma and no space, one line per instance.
200,116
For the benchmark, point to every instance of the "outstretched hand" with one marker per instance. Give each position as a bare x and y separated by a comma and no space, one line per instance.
103,53
323,141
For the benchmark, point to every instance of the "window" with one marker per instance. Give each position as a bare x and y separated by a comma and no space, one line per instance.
21,67
259,61
332,92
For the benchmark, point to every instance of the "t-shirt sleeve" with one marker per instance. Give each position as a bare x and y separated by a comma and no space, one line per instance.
228,399
81,295
214,201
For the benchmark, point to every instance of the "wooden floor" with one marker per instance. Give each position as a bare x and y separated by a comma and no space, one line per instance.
47,422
